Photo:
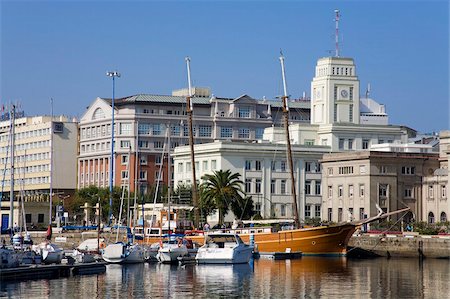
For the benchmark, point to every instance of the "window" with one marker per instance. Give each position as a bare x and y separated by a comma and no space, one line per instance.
318,188
143,160
244,112
282,210
204,131
330,191
244,133
382,190
124,159
350,191
175,130
273,165
335,112
188,166
341,143
335,92
205,165
317,211
408,170
283,187
383,169
272,186
430,217
361,214
430,191
142,175
143,144
340,215
124,174
350,113
443,217
40,218
361,190
258,208
158,144
248,185
259,132
340,191
125,129
180,167
156,130
443,191
226,132
330,214
258,165
125,144
258,186
350,144
248,165
28,218
330,171
350,211
213,164
346,170
308,187
365,143
307,211
408,192
158,160
308,166
350,93
283,165
309,141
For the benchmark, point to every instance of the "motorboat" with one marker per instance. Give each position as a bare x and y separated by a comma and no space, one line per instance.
91,245
224,248
171,249
50,252
124,253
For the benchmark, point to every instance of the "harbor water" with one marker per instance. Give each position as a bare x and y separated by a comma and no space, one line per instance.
307,277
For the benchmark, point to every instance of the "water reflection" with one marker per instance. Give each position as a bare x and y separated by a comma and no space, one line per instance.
308,277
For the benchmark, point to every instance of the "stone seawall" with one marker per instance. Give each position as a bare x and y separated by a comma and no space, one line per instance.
411,245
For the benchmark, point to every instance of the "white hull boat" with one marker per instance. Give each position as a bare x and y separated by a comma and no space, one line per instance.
171,250
224,248
122,253
51,253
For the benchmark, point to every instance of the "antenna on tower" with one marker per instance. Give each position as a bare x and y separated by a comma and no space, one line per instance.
337,31
368,90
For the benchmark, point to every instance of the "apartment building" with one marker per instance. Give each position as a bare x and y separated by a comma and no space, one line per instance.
42,158
142,123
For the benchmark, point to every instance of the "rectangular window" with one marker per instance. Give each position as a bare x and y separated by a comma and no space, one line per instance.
124,174
259,133
124,159
28,218
158,144
125,129
282,210
213,164
308,166
408,170
330,191
408,192
205,165
341,143
40,218
318,188
143,144
272,186
335,112
383,169
361,214
248,185
258,165
330,214
308,187
204,131
350,113
226,132
361,190
188,166
143,160
158,160
307,211
365,143
273,165
244,112
258,186
317,211
443,191
382,190
180,167
309,141
340,191
330,171
283,187
350,191
244,133
350,210
350,144
156,130
175,130
430,191
125,144
248,165
283,166
339,214
350,94
335,93
142,175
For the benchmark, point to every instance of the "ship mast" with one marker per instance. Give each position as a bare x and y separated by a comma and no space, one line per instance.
285,98
11,191
189,106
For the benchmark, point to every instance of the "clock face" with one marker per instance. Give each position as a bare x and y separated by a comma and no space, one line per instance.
344,93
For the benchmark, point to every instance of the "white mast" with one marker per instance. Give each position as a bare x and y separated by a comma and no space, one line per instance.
11,191
51,165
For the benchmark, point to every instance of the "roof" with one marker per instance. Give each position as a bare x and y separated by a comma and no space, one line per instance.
168,99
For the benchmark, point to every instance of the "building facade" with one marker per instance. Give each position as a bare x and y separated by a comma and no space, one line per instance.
42,158
356,182
143,124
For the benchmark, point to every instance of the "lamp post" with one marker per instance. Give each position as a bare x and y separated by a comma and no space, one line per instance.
113,75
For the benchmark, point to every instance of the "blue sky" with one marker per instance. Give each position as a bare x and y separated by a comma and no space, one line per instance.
62,49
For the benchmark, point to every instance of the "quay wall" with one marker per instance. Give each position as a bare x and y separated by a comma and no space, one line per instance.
407,245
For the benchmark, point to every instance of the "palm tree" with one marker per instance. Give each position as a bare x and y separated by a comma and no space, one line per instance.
222,188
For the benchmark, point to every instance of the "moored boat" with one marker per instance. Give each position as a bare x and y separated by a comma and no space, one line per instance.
171,249
224,248
50,252
124,253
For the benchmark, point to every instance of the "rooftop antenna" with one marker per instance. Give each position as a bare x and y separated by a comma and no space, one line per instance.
337,31
368,90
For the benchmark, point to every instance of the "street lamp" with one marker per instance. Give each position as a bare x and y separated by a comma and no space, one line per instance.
113,75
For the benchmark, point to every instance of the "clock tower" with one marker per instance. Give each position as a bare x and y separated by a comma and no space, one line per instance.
335,92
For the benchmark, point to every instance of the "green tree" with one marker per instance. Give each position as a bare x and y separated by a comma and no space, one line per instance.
223,191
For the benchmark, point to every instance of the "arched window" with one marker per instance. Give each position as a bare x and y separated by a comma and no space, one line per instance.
430,217
98,114
443,217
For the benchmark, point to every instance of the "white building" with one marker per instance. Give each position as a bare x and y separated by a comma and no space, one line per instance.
34,173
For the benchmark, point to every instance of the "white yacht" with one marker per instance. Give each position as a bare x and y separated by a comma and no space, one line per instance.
50,252
124,253
171,249
224,248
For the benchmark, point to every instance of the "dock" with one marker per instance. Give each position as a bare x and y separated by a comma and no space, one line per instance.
51,271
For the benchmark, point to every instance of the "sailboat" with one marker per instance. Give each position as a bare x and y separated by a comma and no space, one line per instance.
124,252
322,240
